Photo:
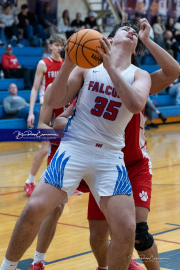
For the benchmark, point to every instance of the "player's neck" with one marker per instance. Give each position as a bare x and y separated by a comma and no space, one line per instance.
122,58
55,57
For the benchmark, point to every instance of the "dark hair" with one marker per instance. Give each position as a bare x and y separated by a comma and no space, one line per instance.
6,6
24,6
140,46
68,19
46,4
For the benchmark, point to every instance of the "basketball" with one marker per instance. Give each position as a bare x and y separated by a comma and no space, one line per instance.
83,48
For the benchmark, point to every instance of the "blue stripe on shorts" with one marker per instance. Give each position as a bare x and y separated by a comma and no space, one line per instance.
123,185
55,171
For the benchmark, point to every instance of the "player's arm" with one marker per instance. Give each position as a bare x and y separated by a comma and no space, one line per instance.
170,69
46,113
133,96
66,85
41,69
61,121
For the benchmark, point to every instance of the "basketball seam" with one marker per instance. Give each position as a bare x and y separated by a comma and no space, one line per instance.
89,48
81,45
84,43
85,56
74,45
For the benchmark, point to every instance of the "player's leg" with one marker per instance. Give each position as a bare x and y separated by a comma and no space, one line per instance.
144,244
60,179
140,176
43,200
119,211
38,159
45,235
99,233
111,188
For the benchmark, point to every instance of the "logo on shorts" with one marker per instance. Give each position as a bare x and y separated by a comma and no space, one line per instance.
143,196
99,145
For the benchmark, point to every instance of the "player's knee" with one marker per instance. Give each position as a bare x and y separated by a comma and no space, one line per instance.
43,152
98,236
127,228
144,240
31,213
57,212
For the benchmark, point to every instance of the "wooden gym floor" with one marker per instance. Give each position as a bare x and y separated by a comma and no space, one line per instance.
70,249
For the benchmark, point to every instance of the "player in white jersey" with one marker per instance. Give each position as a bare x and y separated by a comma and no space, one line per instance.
83,151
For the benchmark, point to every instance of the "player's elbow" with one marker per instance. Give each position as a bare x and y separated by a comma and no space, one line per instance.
137,107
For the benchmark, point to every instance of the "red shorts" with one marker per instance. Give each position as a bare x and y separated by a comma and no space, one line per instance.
141,181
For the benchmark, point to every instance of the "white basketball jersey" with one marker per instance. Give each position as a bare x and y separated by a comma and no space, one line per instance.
100,117
163,7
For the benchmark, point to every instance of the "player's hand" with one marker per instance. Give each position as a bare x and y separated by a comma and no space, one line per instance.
30,120
145,29
107,56
67,60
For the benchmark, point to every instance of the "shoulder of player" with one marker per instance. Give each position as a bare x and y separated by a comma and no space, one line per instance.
42,66
139,73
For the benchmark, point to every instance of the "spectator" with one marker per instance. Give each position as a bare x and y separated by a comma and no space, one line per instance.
170,25
16,105
159,30
64,24
149,109
78,24
48,21
28,23
12,69
169,42
90,22
10,21
2,34
174,90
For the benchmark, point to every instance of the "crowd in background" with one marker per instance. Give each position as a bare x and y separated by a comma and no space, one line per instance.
28,25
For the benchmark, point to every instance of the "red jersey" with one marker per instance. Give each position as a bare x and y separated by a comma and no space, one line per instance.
9,61
135,141
52,70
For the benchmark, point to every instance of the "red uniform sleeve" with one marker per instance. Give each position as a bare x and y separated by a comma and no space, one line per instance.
74,102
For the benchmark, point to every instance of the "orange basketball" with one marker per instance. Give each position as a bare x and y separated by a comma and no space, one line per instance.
83,48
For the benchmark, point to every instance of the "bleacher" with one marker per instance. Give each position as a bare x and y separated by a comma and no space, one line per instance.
29,57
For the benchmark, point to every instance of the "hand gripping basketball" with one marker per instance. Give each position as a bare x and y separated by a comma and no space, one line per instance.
82,48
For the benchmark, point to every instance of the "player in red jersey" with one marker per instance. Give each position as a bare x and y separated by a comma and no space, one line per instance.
46,72
139,168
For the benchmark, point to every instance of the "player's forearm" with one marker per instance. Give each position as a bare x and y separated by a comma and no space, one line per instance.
130,96
33,98
58,89
168,64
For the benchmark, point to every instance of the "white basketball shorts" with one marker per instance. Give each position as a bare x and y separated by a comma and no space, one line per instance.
103,170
